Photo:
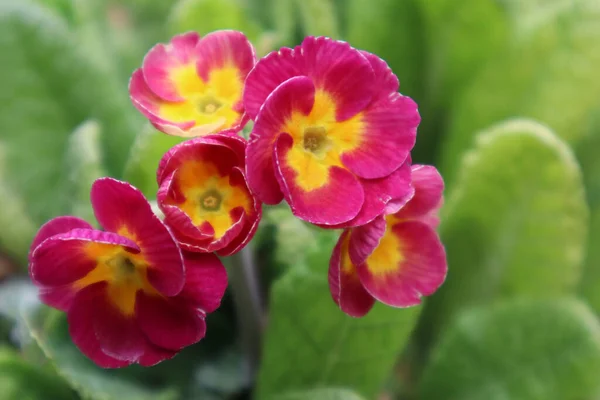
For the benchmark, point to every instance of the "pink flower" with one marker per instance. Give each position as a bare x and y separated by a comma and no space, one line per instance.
204,195
394,259
130,295
332,135
193,86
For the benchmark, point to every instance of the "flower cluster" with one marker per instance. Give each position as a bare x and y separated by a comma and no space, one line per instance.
331,135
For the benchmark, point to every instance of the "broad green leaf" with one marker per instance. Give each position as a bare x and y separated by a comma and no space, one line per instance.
523,349
310,343
49,87
49,329
149,147
84,166
590,164
19,228
394,30
549,74
319,394
204,16
22,381
318,18
515,223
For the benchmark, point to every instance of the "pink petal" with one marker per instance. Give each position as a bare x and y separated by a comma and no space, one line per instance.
332,65
149,104
119,207
270,72
386,82
421,267
341,71
56,226
346,289
429,189
336,202
388,137
240,219
224,151
101,332
59,297
154,355
248,231
295,95
225,48
379,193
169,323
364,239
206,281
162,59
62,258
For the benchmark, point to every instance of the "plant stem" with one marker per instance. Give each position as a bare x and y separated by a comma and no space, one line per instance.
245,285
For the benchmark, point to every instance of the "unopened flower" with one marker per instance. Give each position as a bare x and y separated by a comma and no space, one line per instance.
204,195
193,86
332,135
394,259
130,294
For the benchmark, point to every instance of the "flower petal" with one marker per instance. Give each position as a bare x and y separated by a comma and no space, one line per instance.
379,193
429,189
222,49
149,105
365,239
154,355
206,281
388,136
169,323
409,262
59,297
162,60
323,204
332,65
101,332
346,289
63,259
56,226
295,95
119,207
386,82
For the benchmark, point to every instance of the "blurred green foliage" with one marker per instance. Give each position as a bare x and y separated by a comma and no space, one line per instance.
510,100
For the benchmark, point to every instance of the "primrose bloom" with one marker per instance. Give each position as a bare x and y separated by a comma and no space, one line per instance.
204,195
332,135
395,259
193,86
130,294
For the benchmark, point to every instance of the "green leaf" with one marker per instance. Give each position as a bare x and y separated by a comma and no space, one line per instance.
527,350
49,87
22,381
319,394
515,223
590,164
149,147
49,329
318,18
204,16
549,74
84,166
310,343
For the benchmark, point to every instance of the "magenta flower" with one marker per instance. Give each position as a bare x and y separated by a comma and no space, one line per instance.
193,86
204,195
332,135
129,293
394,259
